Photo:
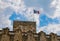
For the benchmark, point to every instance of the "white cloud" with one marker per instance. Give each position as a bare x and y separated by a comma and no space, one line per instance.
8,6
4,18
15,4
6,9
53,4
56,4
33,17
55,28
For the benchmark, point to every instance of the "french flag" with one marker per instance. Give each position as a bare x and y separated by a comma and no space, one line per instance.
37,12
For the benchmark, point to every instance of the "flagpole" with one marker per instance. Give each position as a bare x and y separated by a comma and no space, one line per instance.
33,17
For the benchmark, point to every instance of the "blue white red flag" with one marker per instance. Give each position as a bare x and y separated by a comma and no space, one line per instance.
37,12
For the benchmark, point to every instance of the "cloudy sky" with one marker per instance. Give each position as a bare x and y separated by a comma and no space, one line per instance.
48,20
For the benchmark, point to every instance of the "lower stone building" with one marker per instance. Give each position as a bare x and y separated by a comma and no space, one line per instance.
26,31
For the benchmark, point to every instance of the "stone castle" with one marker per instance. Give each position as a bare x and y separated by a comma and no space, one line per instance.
26,31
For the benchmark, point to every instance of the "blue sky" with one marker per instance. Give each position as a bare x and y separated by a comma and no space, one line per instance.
48,20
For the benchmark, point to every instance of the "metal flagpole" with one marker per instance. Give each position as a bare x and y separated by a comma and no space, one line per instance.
33,17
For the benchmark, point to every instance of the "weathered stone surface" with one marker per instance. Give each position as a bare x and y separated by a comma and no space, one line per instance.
24,26
30,36
26,31
18,35
5,35
53,37
42,36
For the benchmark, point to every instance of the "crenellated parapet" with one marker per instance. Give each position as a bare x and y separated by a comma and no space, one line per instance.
5,31
18,35
30,36
26,31
53,37
42,36
5,35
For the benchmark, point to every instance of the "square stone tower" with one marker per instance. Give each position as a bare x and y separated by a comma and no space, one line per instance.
24,25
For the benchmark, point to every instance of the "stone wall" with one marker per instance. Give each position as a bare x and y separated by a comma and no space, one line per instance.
24,26
18,35
26,31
